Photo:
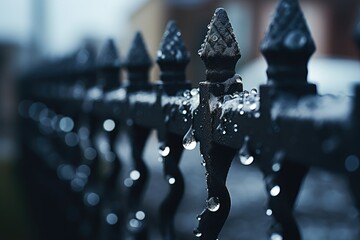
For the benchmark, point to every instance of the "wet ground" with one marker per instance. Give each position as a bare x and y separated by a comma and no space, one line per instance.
324,209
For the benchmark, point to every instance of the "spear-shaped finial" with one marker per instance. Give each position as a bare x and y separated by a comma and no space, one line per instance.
220,51
108,56
172,56
108,64
138,61
287,45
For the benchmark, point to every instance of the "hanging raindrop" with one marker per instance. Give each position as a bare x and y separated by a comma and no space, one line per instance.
189,141
275,191
164,151
269,212
213,204
197,233
244,155
276,236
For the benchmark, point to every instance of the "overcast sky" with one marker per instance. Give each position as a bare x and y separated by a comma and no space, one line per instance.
65,22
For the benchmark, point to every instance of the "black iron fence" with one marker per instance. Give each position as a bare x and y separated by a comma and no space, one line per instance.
285,128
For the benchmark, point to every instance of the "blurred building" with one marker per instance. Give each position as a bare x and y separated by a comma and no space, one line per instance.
331,23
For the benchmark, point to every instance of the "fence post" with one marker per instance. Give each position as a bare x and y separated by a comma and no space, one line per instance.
287,47
172,59
220,53
108,65
137,64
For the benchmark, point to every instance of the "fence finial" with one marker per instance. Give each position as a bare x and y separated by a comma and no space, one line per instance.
172,56
108,56
287,45
138,61
108,64
220,51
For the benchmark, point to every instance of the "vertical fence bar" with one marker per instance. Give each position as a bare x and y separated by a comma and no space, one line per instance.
137,64
287,47
220,52
108,64
172,59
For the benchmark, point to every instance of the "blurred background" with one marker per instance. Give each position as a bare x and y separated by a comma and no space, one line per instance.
32,30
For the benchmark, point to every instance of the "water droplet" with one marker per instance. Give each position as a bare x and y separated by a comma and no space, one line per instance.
244,154
209,26
66,124
276,167
184,112
253,106
189,141
171,180
295,40
235,129
65,172
140,215
213,204
134,223
197,233
129,122
198,217
269,212
128,182
71,139
164,151
134,175
111,218
254,91
224,132
274,191
257,115
203,163
90,153
109,125
185,119
352,163
187,93
242,112
194,91
91,199
276,236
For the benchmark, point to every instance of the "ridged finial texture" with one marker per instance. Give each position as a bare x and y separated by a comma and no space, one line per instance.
288,41
172,48
138,55
172,56
220,51
108,56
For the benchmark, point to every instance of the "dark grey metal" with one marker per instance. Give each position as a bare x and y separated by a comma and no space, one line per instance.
282,129
220,52
172,59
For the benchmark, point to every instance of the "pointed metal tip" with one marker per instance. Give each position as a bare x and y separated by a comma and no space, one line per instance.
86,54
172,48
220,11
220,51
108,56
288,44
138,55
220,39
288,31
